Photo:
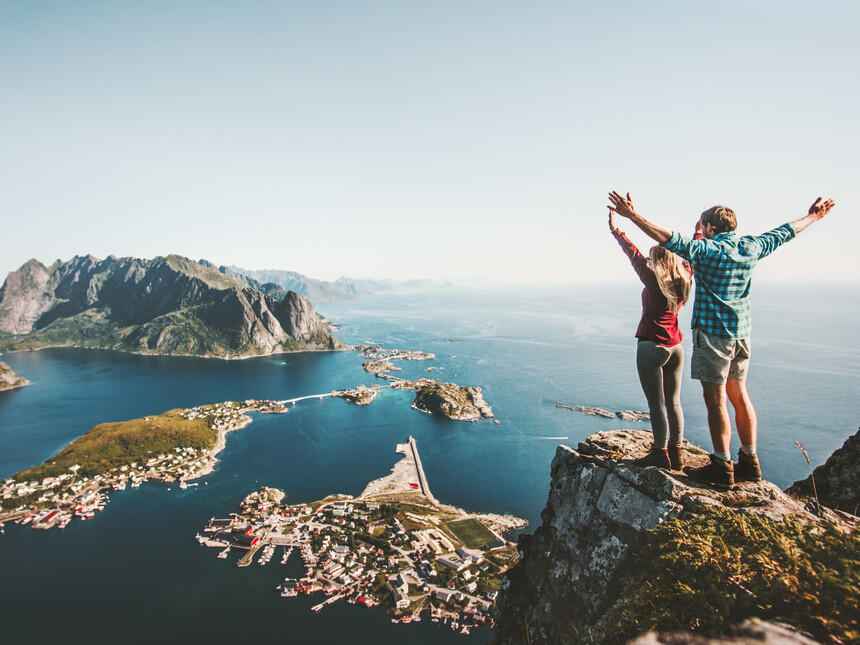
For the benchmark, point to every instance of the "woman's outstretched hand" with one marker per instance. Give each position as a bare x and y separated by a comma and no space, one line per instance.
612,226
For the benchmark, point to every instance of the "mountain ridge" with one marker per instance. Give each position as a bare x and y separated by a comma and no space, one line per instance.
166,305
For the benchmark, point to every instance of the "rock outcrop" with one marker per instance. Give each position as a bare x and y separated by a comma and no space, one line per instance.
837,480
168,305
750,632
9,380
462,403
599,509
633,415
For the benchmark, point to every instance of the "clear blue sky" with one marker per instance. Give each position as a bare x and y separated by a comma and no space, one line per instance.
423,139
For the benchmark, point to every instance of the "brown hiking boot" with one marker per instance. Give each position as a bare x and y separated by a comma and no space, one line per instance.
675,457
747,468
717,473
656,457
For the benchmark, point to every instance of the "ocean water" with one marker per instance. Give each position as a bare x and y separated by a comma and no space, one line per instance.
135,572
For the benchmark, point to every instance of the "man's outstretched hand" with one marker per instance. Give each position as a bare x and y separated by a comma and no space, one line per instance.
621,205
624,207
819,209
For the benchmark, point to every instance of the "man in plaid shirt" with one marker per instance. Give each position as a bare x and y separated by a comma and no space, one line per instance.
722,264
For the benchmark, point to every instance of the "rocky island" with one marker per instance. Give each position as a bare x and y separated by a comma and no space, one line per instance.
462,403
169,305
360,395
9,380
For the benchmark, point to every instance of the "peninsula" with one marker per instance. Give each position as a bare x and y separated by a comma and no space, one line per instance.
394,547
9,380
175,445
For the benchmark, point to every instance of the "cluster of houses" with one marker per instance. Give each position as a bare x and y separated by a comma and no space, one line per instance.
55,500
362,552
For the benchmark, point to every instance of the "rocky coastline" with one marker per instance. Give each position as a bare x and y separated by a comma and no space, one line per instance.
9,380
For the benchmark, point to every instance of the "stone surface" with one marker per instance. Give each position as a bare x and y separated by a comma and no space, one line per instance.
599,508
750,632
837,481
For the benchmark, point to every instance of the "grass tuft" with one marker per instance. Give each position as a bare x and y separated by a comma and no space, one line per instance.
714,570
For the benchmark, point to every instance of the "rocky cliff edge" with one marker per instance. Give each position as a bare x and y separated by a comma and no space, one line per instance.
598,514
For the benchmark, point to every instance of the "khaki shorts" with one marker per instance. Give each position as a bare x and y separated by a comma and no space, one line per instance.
716,358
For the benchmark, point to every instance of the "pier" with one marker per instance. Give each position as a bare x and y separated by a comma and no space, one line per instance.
422,479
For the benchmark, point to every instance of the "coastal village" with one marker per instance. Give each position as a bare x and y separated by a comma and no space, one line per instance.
394,547
56,500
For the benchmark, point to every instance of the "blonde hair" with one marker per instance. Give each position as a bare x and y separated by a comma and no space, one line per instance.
673,275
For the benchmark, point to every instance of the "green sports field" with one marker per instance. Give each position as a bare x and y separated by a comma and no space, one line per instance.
471,533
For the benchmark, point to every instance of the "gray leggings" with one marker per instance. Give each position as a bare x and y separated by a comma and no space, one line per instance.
660,371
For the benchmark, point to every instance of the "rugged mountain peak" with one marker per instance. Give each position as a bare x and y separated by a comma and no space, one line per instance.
24,297
167,305
599,510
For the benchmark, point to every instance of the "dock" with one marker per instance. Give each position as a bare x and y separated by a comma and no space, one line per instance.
422,479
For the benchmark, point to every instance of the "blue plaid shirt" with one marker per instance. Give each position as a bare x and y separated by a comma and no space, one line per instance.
723,271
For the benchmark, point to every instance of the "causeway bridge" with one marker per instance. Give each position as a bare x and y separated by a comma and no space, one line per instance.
302,398
425,487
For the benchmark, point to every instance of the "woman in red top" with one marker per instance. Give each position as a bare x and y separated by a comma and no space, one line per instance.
659,355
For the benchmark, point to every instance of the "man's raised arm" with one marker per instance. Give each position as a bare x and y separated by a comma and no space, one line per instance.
624,207
818,210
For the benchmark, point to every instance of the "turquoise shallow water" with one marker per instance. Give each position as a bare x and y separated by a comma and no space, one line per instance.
135,572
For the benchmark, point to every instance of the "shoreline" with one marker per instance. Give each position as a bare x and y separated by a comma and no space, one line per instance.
210,459
346,348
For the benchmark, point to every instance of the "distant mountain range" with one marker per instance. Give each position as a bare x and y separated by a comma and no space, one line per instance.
319,290
167,305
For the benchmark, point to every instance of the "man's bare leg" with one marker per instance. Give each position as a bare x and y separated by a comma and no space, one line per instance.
745,416
718,415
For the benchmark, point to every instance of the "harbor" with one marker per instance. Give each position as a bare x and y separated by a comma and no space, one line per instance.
394,547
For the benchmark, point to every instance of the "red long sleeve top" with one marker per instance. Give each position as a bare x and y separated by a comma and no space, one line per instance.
659,323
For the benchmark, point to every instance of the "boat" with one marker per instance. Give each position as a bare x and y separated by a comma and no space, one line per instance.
289,588
223,554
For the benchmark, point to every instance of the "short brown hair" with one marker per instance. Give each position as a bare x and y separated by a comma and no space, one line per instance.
721,218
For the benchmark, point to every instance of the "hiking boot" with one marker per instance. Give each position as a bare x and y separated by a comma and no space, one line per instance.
656,457
747,468
675,457
718,473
